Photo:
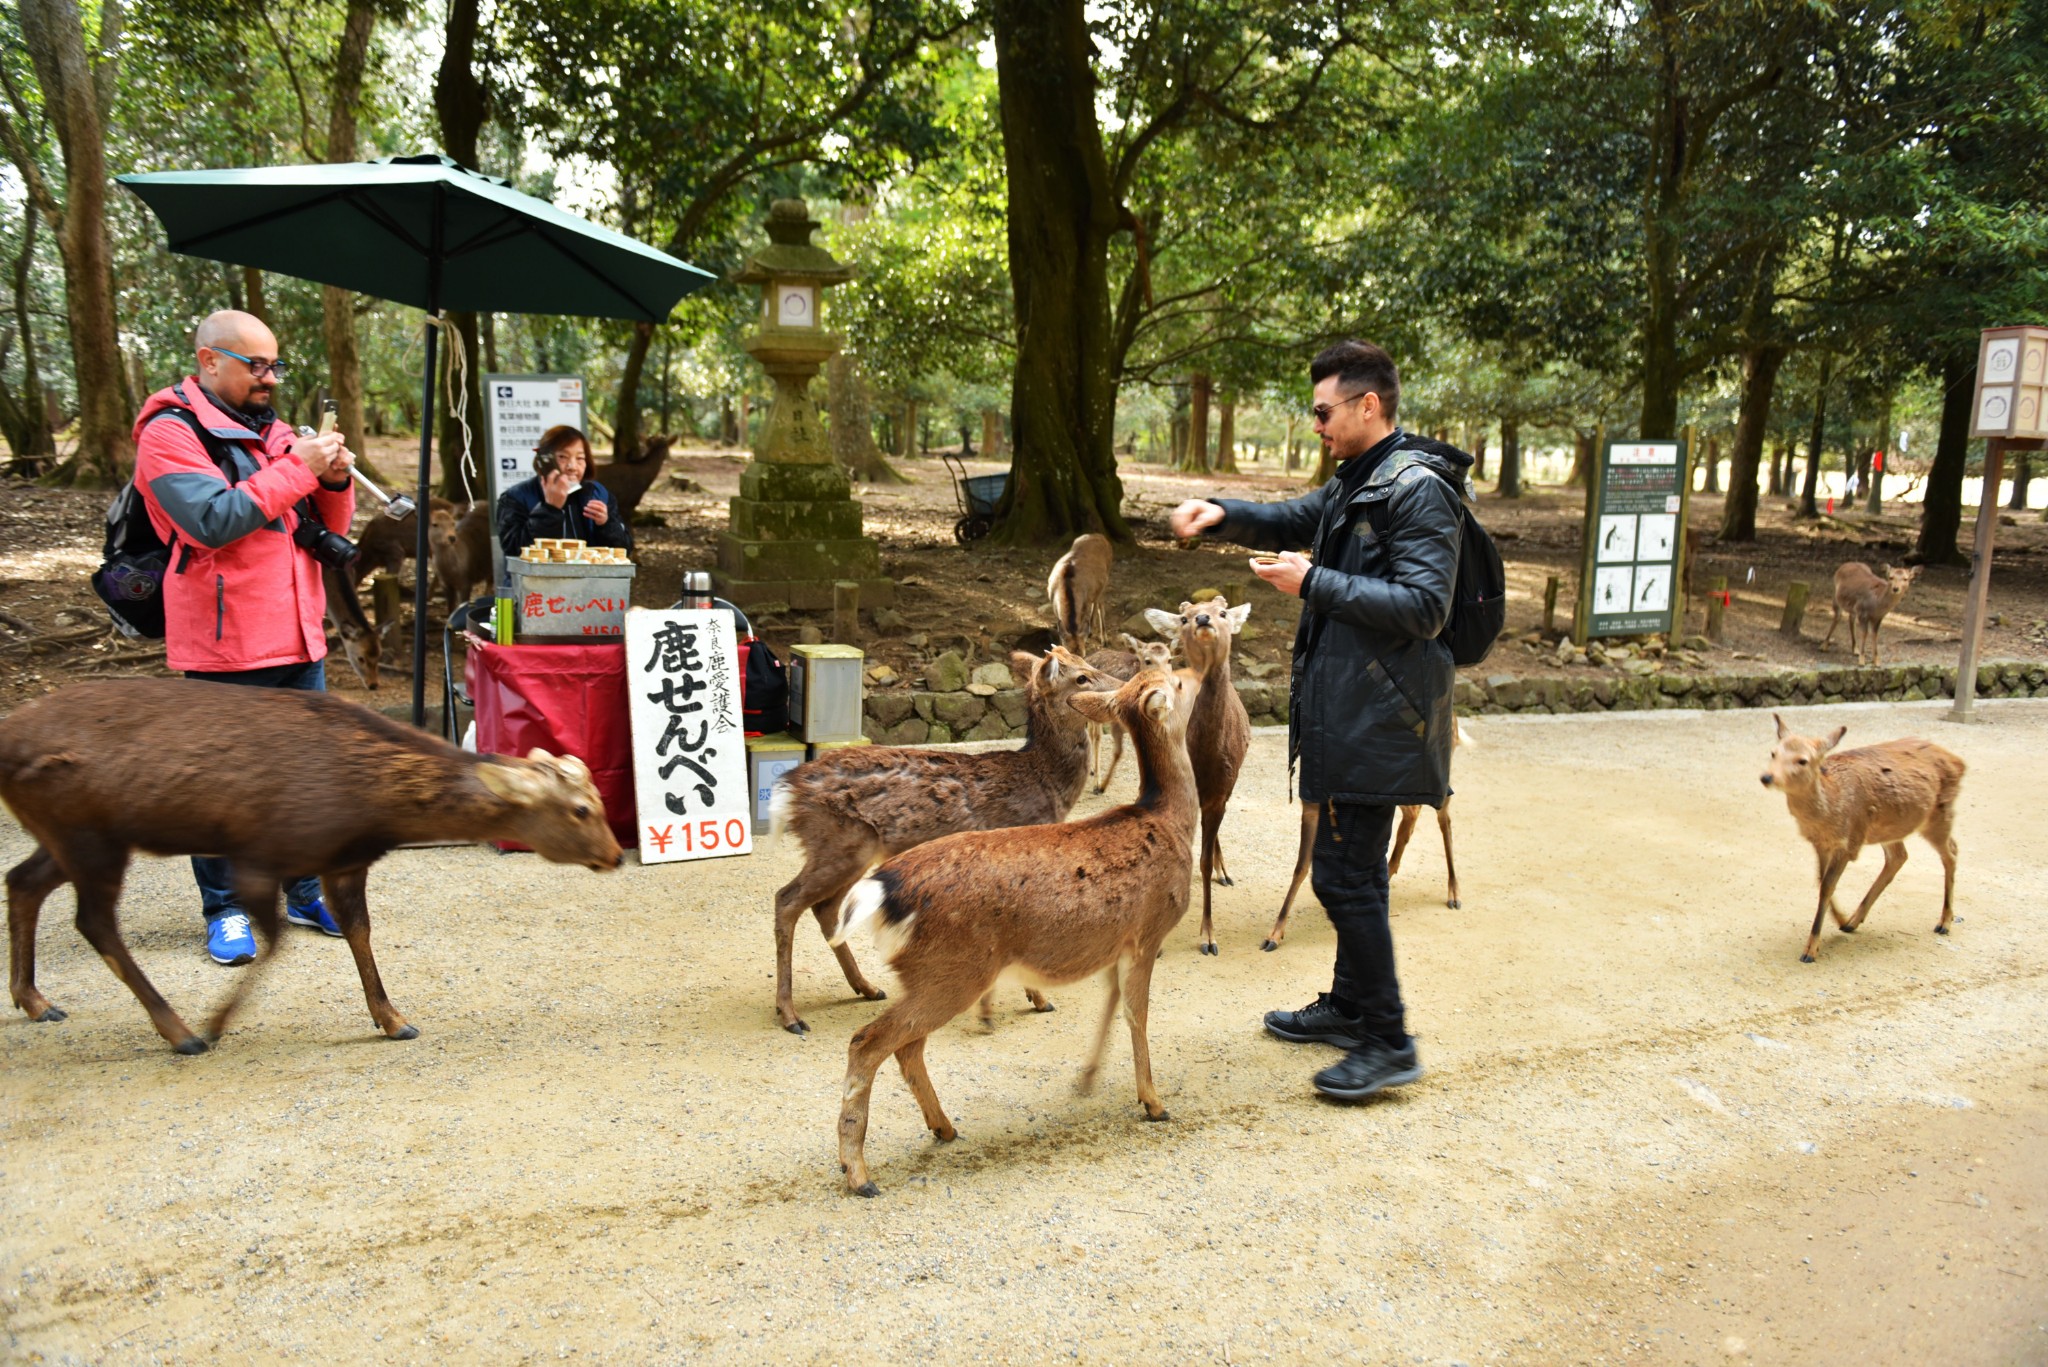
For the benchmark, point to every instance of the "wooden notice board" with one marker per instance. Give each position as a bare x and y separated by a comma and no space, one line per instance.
689,746
1634,540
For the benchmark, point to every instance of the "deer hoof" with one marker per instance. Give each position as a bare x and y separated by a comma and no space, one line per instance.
867,1189
1154,1119
1848,929
53,1014
1453,903
1938,930
1806,958
1269,945
946,1136
875,994
797,1028
1044,1007
1210,949
191,1044
407,1032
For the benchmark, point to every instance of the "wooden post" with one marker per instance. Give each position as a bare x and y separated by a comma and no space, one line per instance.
1582,603
845,612
1550,606
1980,578
1717,589
1795,607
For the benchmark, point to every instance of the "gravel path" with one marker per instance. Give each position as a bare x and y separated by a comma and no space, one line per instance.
1648,1132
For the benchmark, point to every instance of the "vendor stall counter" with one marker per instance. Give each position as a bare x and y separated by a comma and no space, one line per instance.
565,699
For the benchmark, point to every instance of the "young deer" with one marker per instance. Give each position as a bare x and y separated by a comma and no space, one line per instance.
1311,817
854,807
1877,795
1039,904
1219,731
1123,666
358,638
1866,597
178,766
1077,588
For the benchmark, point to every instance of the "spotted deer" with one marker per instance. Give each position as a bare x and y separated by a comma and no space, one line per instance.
1036,904
1866,597
1877,795
1311,818
1219,729
854,807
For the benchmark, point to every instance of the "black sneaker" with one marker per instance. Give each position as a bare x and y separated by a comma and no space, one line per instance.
1369,1068
1317,1023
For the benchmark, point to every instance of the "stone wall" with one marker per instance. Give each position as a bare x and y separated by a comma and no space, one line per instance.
986,704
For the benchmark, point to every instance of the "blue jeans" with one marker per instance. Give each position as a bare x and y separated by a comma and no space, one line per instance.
216,877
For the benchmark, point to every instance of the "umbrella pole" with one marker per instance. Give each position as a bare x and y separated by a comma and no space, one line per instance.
419,590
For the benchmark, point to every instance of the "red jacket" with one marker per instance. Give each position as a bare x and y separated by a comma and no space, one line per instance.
240,594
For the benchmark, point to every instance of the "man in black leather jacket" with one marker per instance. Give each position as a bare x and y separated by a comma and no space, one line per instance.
1370,721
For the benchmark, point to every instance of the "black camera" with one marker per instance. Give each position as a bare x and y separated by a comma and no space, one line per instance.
331,549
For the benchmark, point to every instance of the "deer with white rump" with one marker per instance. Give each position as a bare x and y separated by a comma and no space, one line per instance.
1036,904
1219,729
1878,795
854,807
1122,666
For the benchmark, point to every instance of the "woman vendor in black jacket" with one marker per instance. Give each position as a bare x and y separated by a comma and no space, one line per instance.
557,502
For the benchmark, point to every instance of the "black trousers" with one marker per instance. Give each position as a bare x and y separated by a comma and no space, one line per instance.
1349,875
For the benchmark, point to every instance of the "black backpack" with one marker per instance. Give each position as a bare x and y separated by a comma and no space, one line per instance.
130,579
1479,600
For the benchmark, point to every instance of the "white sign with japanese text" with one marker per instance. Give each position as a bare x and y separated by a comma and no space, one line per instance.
689,745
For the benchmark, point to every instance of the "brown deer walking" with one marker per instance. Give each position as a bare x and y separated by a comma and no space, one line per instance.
461,550
852,808
1877,795
1219,729
629,480
1077,589
100,770
358,637
1866,597
1311,818
1122,666
1037,904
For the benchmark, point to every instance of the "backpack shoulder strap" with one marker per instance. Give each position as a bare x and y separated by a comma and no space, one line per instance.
218,449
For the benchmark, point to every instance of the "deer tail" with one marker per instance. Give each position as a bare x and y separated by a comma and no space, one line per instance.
862,905
1463,737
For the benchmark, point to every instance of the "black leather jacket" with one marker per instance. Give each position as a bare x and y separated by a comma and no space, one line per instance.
1370,718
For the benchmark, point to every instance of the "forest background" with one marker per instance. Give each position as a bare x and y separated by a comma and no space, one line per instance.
1107,230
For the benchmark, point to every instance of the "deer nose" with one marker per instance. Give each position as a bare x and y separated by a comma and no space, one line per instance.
1201,619
1764,779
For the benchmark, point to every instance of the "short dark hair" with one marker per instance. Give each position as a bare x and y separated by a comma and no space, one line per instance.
557,439
1360,366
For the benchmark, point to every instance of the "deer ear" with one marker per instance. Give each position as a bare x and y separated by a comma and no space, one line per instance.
538,754
1094,706
1132,643
1164,622
1782,732
1023,660
514,782
1238,614
1884,571
1159,701
1834,739
572,768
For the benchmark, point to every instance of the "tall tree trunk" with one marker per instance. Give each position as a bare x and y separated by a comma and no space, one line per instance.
1510,458
1226,437
1062,212
252,290
1713,485
338,306
1779,456
626,417
852,434
1809,490
1878,457
1759,381
2022,471
25,419
1941,507
1293,449
77,91
1479,455
907,434
1196,457
460,104
1583,439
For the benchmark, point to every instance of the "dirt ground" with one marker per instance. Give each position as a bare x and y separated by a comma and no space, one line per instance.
983,599
1648,1132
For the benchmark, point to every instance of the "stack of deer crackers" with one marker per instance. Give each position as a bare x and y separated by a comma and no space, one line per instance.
562,550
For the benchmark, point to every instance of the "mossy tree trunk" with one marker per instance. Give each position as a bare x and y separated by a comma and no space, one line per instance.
1062,213
1759,381
1226,437
1941,507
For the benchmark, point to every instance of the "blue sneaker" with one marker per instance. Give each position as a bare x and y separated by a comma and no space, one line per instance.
228,940
313,914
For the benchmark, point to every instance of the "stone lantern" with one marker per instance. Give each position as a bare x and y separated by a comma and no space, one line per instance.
795,529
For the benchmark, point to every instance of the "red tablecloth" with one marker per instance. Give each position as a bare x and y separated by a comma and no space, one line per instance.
567,700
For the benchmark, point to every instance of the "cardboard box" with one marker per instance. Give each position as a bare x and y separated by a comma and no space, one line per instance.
825,688
768,759
564,602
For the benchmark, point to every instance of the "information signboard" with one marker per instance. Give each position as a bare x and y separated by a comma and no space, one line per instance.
1635,541
517,410
689,745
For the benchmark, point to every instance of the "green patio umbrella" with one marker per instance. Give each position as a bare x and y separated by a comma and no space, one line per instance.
424,231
